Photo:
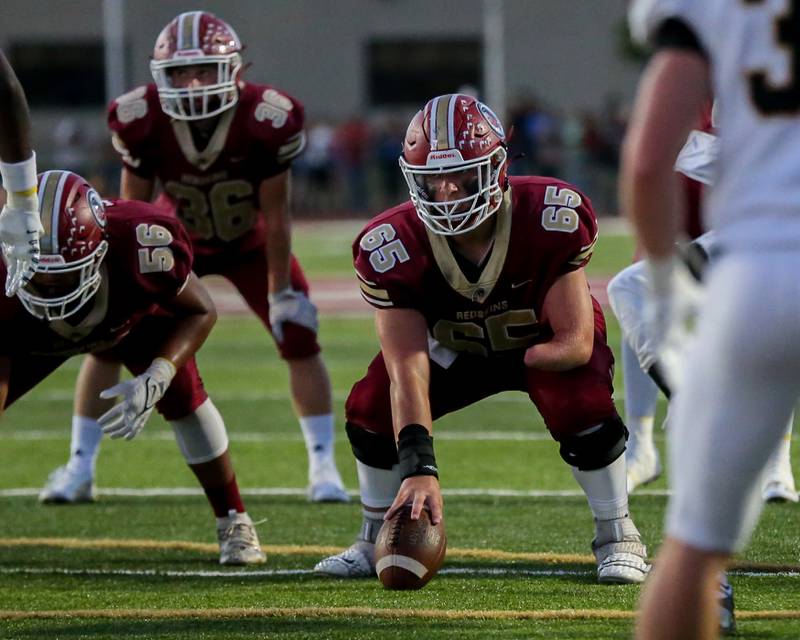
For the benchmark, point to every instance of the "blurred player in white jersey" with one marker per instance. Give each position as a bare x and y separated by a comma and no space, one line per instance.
742,374
626,293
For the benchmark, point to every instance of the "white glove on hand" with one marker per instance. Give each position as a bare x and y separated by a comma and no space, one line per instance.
291,306
139,397
671,303
20,228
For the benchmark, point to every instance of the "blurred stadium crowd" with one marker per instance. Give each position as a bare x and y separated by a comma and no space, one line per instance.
349,168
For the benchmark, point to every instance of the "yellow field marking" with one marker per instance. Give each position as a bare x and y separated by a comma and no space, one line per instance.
339,612
281,550
454,553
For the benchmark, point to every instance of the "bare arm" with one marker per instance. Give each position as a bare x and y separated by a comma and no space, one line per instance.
132,187
403,335
568,309
15,126
672,92
404,343
273,197
195,315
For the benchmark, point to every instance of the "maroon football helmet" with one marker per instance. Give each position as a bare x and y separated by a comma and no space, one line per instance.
458,136
73,246
197,38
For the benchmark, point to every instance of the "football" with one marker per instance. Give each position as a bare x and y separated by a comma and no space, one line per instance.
408,553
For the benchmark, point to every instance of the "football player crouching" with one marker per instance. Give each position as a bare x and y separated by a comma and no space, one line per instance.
479,288
222,148
115,280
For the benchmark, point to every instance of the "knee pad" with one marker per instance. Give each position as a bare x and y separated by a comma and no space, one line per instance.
372,449
597,448
201,436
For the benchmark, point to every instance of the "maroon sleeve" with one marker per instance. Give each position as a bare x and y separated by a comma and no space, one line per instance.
276,125
151,246
131,121
570,224
389,263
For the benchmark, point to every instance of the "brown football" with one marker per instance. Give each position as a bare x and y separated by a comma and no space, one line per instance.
409,552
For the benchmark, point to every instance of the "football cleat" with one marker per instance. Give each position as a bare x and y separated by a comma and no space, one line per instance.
778,478
238,541
643,466
621,556
68,486
727,618
780,490
357,561
325,483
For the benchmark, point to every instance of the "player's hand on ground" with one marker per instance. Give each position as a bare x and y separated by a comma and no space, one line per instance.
139,396
419,492
291,306
20,228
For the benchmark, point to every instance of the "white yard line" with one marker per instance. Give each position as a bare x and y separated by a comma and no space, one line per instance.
163,492
261,573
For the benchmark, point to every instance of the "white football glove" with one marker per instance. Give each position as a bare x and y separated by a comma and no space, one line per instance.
671,303
20,228
139,396
292,306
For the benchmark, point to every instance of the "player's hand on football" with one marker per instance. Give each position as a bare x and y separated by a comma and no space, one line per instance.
20,228
292,306
420,492
139,396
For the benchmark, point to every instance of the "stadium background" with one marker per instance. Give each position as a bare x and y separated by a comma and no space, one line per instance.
560,71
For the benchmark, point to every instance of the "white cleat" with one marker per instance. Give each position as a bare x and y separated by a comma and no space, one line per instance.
621,556
779,490
325,483
67,486
354,562
643,466
238,541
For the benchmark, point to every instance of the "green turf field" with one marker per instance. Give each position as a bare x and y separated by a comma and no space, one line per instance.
143,566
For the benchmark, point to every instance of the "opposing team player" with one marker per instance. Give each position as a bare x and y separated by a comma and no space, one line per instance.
115,280
641,392
742,374
479,287
627,292
222,149
19,220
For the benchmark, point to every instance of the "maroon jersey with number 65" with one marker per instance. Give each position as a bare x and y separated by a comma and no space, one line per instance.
212,186
544,229
148,261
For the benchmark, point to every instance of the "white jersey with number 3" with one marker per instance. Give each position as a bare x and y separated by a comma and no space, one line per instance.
754,50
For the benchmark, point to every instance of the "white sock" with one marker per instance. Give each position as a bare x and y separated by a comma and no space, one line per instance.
86,436
318,434
378,488
641,433
605,489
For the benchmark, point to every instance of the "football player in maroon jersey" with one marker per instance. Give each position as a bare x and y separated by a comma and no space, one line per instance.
479,287
115,280
222,149
19,220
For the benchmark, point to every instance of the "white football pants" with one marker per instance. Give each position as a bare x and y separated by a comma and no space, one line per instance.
741,380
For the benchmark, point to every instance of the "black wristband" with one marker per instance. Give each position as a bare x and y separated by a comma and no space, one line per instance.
415,452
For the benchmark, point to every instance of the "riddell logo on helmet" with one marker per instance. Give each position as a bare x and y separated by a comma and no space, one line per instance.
444,157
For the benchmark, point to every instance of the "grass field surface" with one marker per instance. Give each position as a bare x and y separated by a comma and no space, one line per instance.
142,561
